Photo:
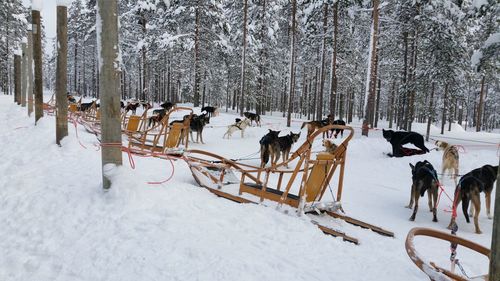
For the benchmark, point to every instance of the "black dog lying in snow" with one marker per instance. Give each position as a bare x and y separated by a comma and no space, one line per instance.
398,139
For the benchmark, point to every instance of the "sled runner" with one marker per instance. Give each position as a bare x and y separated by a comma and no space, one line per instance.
432,270
300,188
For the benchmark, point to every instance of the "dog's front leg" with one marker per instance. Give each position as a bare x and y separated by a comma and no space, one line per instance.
201,137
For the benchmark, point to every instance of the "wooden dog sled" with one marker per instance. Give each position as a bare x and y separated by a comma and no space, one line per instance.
300,188
162,136
432,270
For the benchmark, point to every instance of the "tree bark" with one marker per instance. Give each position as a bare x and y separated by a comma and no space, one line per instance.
372,72
243,58
480,106
17,79
110,89
24,73
61,74
260,109
292,66
430,114
402,111
377,107
29,69
196,96
391,104
445,105
319,105
334,82
37,57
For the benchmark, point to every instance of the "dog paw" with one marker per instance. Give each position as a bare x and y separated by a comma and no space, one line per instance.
490,217
408,206
412,219
434,220
478,231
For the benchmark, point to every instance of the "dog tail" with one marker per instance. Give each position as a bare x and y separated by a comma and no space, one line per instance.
465,206
264,154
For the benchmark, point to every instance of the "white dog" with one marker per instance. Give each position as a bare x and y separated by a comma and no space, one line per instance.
239,125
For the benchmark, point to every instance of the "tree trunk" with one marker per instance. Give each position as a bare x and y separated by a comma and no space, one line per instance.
430,114
445,100
196,96
110,89
292,66
29,69
372,75
402,111
61,74
450,115
391,104
319,105
17,78
262,54
480,106
75,73
377,113
412,74
243,58
37,57
24,73
334,82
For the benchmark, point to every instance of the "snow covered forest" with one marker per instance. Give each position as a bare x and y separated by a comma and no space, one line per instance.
191,51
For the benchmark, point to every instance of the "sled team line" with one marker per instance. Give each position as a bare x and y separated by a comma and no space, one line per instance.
299,181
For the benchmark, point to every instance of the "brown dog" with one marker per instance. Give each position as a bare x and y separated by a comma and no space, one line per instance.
330,147
450,159
468,190
315,125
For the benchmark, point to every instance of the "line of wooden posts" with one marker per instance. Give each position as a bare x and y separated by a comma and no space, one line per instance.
109,75
29,79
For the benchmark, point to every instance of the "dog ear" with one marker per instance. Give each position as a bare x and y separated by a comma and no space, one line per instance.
412,167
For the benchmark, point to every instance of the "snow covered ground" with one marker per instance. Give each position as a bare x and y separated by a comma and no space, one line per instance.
58,224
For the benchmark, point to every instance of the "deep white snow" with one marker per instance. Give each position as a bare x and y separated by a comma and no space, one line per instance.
58,224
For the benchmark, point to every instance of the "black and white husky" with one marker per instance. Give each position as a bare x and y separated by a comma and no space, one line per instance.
238,125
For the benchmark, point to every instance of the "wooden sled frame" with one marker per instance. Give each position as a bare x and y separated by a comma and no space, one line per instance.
427,268
314,176
162,136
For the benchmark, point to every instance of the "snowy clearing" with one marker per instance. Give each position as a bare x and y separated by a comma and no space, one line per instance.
58,224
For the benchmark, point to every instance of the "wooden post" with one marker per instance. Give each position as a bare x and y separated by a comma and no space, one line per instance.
29,69
17,78
495,237
109,89
24,72
61,74
37,56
